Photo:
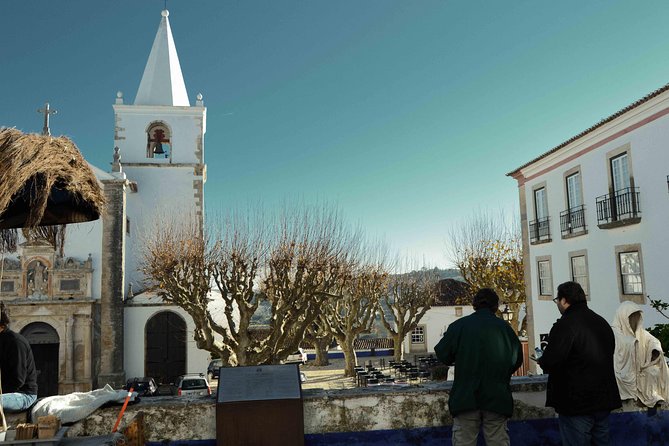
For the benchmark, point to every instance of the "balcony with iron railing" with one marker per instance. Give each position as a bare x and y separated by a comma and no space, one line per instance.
620,208
572,222
540,231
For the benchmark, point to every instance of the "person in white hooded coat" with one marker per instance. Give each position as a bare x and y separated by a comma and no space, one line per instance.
641,369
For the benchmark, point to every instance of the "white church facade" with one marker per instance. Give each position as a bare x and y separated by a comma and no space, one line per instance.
594,210
83,309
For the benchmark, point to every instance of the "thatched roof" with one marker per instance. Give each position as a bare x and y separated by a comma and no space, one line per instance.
44,180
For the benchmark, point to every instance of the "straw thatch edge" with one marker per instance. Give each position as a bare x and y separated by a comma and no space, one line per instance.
46,161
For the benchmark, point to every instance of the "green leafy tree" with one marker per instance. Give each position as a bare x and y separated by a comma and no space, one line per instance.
661,331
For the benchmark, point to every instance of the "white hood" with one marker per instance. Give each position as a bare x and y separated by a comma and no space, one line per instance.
637,373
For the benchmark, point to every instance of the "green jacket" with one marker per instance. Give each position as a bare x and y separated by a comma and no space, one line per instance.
486,352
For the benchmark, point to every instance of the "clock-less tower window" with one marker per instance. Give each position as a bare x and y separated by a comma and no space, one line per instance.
158,143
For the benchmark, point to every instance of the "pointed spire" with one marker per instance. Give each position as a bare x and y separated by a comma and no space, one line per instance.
162,82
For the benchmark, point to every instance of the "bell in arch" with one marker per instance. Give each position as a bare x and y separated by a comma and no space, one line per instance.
159,142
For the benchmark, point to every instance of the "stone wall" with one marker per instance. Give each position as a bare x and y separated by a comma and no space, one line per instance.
325,411
377,416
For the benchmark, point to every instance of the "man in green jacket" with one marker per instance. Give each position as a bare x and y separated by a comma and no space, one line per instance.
486,352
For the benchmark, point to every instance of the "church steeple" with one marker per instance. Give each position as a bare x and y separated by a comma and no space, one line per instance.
162,82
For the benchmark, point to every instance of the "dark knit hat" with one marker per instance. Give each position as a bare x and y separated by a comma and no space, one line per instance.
4,314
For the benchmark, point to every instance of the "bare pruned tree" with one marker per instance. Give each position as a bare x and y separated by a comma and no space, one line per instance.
320,337
487,249
294,262
309,258
405,302
240,252
179,263
351,312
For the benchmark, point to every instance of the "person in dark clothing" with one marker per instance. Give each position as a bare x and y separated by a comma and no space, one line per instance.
579,361
486,352
18,376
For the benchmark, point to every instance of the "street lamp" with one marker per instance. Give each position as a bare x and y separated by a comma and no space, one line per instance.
507,314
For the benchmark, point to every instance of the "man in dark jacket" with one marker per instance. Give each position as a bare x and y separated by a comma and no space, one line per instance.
579,361
18,376
486,352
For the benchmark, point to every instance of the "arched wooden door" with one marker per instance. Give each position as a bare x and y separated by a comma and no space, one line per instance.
45,344
165,347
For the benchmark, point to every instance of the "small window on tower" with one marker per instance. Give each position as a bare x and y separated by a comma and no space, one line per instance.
158,141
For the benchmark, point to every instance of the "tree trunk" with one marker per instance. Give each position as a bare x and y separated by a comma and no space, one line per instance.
321,346
398,347
349,357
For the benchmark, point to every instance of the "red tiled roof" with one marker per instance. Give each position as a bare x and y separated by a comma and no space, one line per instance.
621,112
452,292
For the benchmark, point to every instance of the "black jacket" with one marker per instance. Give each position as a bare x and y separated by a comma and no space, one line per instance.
579,361
17,364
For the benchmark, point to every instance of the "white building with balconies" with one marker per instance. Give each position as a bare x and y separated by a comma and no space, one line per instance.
595,210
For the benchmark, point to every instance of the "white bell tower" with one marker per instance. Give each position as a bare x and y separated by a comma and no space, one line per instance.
160,141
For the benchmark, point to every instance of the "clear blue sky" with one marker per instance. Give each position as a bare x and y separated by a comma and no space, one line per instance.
408,114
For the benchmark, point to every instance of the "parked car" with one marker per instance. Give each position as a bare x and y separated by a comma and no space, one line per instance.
297,357
192,384
213,369
144,386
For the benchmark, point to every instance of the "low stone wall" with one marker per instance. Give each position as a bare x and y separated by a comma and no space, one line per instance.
333,411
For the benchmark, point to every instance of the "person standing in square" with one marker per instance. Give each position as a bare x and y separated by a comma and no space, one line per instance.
578,358
485,351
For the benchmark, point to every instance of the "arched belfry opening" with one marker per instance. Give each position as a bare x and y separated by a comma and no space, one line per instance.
45,344
165,347
159,141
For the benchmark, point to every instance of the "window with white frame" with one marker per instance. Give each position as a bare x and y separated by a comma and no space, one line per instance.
579,272
539,228
572,221
574,191
630,272
418,335
545,279
540,204
620,174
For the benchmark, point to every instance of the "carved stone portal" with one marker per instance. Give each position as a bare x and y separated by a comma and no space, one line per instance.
37,278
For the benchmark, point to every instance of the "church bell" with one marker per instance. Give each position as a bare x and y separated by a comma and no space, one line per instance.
158,149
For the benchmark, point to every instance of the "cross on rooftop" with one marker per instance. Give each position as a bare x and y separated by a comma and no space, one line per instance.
46,111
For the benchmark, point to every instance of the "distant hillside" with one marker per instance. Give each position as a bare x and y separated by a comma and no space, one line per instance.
450,273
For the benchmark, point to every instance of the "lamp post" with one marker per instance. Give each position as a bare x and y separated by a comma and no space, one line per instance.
507,314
